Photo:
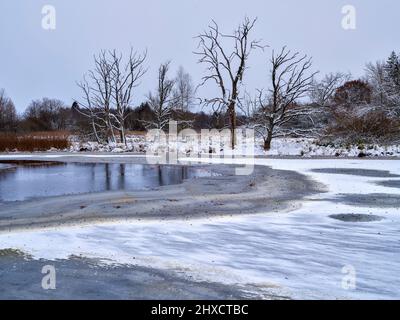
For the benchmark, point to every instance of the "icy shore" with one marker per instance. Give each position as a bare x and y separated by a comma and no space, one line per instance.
299,147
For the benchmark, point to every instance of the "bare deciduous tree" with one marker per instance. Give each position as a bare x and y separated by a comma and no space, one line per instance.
322,92
8,114
89,108
162,100
107,92
125,77
375,76
46,115
383,96
321,96
291,81
102,89
226,66
184,92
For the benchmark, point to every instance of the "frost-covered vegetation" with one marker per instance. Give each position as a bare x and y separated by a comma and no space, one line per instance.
299,147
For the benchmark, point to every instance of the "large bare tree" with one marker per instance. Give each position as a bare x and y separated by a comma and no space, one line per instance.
108,90
125,77
291,81
226,65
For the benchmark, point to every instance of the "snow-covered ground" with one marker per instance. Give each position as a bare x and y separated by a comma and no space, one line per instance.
309,148
280,147
300,254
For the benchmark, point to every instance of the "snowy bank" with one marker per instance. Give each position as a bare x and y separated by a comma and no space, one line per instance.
299,147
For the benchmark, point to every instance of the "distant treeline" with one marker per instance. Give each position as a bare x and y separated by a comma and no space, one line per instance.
54,115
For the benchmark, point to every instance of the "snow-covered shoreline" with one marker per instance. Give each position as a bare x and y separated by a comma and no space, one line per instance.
281,147
299,147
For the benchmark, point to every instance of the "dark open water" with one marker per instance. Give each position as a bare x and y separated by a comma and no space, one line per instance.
34,181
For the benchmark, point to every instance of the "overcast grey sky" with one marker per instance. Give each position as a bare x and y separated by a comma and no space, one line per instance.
35,63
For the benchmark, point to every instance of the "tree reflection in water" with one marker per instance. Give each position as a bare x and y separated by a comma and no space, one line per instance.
26,181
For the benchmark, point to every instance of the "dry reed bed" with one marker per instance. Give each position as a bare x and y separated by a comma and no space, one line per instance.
38,141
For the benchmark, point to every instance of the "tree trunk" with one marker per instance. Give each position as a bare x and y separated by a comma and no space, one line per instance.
95,131
111,131
123,136
232,115
267,142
